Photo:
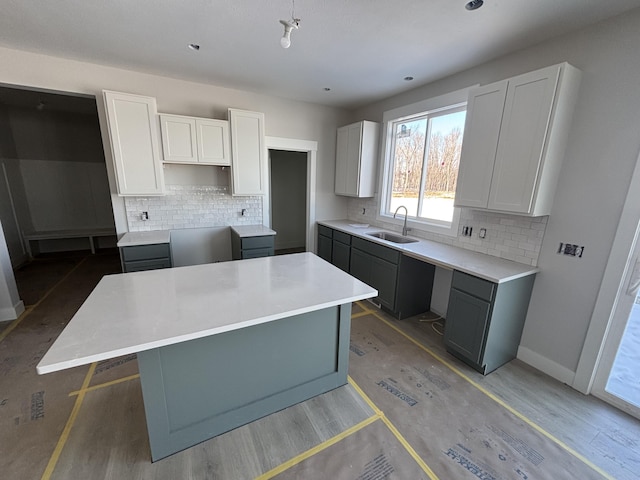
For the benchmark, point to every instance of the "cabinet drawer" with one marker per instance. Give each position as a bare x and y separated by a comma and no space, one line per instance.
257,242
342,237
475,286
147,265
145,252
376,250
257,252
326,231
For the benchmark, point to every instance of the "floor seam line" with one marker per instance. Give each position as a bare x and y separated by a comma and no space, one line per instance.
493,397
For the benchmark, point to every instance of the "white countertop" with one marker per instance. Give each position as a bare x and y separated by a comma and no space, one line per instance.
132,312
252,230
490,268
151,237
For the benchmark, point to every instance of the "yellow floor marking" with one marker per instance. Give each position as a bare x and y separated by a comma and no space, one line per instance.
317,449
395,431
31,308
359,314
106,384
55,456
499,401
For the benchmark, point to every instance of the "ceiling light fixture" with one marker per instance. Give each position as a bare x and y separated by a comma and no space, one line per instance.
194,46
407,79
289,25
474,4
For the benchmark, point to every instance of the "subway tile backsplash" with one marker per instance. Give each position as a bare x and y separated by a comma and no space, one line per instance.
192,206
511,237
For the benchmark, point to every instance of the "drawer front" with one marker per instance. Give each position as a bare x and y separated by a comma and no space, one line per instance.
342,237
380,251
266,241
141,265
257,252
146,252
478,287
326,231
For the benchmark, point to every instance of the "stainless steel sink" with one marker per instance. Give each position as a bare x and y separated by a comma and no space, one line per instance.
392,237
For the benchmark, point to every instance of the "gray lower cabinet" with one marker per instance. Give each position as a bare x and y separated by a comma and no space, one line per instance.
341,250
325,243
251,247
404,284
485,320
137,258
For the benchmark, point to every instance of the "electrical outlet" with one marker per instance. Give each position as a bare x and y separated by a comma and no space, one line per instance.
483,233
145,216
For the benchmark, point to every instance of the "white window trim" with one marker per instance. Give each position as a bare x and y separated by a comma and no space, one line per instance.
431,104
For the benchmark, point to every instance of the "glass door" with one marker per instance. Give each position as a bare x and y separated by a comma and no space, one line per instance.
617,379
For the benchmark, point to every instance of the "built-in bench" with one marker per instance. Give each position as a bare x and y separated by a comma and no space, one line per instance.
89,233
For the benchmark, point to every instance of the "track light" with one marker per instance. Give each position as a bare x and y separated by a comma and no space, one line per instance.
289,25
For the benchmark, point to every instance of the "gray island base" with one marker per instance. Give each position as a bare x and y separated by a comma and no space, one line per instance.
198,389
219,345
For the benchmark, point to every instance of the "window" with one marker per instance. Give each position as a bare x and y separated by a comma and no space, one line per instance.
422,156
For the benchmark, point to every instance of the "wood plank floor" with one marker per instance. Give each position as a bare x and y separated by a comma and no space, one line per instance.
108,437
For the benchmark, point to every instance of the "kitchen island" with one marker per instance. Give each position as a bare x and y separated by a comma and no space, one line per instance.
219,345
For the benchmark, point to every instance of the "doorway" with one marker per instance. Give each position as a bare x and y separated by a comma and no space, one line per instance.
305,150
609,363
288,188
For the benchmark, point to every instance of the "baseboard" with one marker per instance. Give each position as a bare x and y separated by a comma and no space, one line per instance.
551,368
11,313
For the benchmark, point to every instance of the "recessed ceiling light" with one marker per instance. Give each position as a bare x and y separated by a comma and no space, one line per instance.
194,46
407,79
327,89
474,4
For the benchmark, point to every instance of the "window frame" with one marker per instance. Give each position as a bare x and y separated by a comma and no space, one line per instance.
447,101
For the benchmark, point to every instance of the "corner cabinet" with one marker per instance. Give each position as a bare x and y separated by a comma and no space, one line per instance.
133,132
200,141
247,152
485,320
514,141
356,159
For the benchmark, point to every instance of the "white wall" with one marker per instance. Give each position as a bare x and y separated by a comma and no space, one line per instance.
602,150
10,304
284,118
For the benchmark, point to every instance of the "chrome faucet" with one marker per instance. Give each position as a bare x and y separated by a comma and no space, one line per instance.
404,226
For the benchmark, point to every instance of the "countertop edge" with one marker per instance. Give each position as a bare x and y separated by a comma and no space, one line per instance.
517,270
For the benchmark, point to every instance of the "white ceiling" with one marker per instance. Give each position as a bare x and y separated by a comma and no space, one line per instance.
360,49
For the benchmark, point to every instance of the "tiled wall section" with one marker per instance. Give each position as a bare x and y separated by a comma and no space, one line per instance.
511,237
192,207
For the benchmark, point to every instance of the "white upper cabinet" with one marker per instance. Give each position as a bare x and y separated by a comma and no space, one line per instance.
133,131
247,152
356,157
514,141
195,140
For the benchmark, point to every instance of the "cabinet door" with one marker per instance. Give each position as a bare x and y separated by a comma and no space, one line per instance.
341,255
525,124
481,131
178,138
467,322
348,159
247,152
384,276
325,248
133,131
360,266
213,141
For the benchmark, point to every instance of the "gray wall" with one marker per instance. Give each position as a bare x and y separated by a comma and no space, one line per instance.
602,150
